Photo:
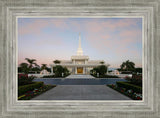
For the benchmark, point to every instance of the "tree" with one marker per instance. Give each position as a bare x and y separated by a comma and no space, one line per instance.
102,62
138,70
44,66
127,66
94,71
119,69
58,70
24,68
65,71
102,69
31,62
36,69
57,62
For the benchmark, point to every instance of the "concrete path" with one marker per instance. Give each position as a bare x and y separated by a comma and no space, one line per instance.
81,92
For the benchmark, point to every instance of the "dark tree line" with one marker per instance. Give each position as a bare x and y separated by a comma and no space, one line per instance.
129,66
31,67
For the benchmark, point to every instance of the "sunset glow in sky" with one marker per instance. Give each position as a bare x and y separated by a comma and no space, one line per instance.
113,40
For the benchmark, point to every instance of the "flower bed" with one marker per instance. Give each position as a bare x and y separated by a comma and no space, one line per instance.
37,91
29,87
128,92
23,79
136,80
128,86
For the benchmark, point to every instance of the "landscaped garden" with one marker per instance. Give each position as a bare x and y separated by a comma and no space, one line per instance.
28,89
132,88
31,67
100,72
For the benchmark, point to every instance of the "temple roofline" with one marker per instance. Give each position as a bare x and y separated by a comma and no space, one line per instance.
79,65
80,57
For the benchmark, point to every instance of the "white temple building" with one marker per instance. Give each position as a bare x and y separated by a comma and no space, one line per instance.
79,64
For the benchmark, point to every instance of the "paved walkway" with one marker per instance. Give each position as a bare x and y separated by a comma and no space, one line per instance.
81,92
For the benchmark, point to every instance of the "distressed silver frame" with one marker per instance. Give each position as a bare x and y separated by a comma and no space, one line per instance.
149,10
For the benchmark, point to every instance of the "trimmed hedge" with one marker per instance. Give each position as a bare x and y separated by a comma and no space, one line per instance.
105,76
29,87
48,76
30,94
128,86
23,79
110,76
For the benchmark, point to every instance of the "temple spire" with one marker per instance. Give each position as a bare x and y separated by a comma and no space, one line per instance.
79,51
79,40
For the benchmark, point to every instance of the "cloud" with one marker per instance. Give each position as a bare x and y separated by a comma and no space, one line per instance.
59,23
117,37
110,25
37,26
118,45
114,37
49,40
32,28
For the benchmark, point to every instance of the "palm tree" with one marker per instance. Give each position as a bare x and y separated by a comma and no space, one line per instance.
57,62
24,68
127,66
31,62
24,65
44,66
102,62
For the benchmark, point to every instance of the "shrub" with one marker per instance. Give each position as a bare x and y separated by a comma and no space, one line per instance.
136,79
48,76
111,76
128,86
30,94
22,75
105,76
58,70
29,87
23,79
102,69
130,93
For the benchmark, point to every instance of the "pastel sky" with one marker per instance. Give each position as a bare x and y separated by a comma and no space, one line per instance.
113,40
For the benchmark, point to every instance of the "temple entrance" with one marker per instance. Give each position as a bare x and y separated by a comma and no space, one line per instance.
80,70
